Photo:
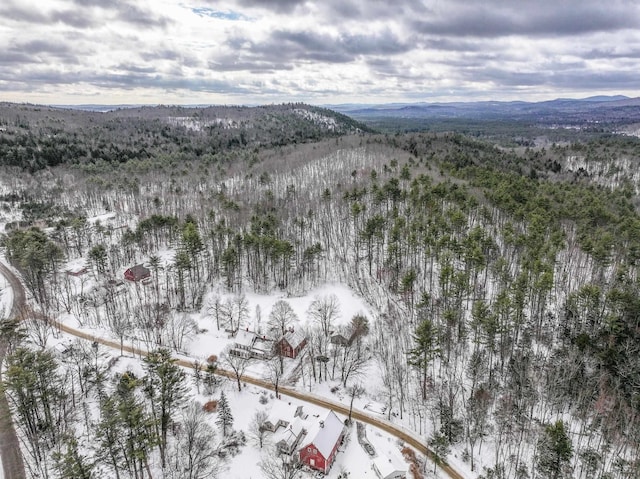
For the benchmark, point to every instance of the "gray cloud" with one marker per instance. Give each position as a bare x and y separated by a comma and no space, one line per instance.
613,52
42,46
282,6
10,57
286,47
180,57
130,13
51,51
498,18
83,15
72,18
570,76
408,48
229,63
127,80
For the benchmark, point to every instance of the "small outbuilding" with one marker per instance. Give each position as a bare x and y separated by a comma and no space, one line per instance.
386,468
137,273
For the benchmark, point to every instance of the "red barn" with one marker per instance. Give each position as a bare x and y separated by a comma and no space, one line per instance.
291,344
320,452
137,273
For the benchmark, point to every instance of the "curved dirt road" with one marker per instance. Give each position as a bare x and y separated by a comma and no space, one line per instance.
12,463
410,438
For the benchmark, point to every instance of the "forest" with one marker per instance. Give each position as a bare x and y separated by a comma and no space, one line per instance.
502,282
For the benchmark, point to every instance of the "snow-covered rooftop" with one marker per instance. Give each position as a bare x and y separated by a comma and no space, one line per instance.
325,434
290,434
245,338
294,338
386,467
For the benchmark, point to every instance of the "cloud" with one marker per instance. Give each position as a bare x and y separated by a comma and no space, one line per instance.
303,49
220,14
492,19
131,13
122,80
284,48
69,17
83,14
281,6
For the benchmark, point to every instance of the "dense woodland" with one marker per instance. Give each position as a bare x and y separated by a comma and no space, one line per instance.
504,280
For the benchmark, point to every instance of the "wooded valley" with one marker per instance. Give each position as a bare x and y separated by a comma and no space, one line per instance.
502,282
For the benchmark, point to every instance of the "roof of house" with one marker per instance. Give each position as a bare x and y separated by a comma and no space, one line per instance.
388,467
284,412
294,338
263,345
245,338
325,434
139,270
291,433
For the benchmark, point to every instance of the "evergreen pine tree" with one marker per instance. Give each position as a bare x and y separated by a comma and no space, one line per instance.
225,418
554,452
164,385
70,464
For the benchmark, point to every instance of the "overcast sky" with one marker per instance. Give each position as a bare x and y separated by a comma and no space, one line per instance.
331,51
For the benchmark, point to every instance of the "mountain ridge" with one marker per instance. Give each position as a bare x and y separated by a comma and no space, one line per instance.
616,109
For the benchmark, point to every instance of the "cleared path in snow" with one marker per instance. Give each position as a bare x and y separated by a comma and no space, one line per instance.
12,463
398,431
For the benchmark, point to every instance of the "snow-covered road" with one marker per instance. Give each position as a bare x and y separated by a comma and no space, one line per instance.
10,291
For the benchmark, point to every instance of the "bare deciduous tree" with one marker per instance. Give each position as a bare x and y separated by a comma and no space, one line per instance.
282,316
279,466
237,364
196,452
257,430
324,310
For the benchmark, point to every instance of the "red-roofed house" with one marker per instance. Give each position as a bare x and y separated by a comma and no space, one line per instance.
137,273
321,448
291,344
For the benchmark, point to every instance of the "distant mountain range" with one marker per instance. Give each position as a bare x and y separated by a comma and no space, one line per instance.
562,110
616,109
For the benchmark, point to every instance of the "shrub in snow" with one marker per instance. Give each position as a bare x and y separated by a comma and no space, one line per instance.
210,406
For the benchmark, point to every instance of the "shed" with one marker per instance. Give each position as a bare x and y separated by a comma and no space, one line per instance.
386,468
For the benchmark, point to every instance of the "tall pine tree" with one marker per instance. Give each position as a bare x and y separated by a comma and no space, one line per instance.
225,418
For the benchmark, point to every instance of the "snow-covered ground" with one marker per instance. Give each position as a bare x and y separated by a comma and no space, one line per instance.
211,340
352,457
